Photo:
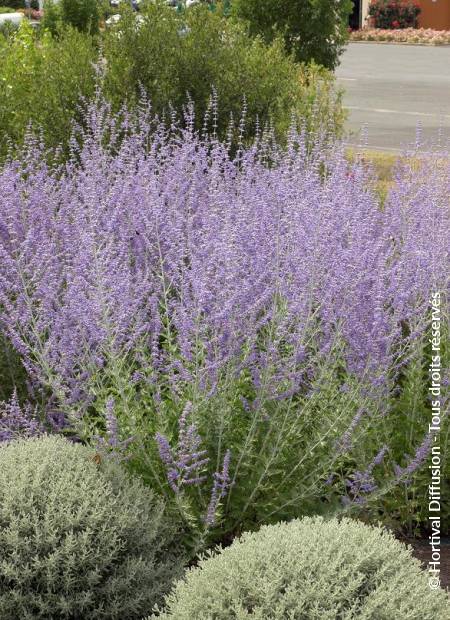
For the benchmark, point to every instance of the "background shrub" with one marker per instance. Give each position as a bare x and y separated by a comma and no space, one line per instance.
52,19
42,84
392,14
79,538
313,30
81,14
311,569
170,55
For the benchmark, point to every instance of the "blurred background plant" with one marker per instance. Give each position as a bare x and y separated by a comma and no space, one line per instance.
83,15
42,85
19,4
424,36
201,51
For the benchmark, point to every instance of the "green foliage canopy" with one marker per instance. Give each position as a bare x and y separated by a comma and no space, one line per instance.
312,29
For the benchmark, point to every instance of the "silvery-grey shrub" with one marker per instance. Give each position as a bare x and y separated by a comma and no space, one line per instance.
309,569
78,538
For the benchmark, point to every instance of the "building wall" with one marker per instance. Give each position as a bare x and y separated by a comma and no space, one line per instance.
435,14
364,11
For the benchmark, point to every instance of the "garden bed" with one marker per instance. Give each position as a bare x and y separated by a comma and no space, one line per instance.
223,332
413,36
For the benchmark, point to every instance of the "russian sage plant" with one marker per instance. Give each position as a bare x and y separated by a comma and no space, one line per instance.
248,317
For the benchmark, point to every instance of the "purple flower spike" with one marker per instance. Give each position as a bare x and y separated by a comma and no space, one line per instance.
111,444
219,490
415,462
17,421
362,483
185,464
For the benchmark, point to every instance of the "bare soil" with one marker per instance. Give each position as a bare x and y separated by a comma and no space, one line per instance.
422,551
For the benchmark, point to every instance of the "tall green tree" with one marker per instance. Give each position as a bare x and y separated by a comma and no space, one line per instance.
312,29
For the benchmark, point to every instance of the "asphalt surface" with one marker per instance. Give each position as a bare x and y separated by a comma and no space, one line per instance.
390,90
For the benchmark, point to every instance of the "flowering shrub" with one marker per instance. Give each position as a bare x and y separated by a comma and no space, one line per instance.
308,569
249,318
425,36
79,538
394,13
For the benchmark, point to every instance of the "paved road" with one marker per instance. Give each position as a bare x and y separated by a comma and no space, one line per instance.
391,88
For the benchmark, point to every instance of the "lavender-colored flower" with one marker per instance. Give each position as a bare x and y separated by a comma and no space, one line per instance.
111,444
416,461
219,490
345,442
17,421
89,252
362,483
185,464
164,449
57,420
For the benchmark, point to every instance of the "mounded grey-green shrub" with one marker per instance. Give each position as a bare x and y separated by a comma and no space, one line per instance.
79,539
309,569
